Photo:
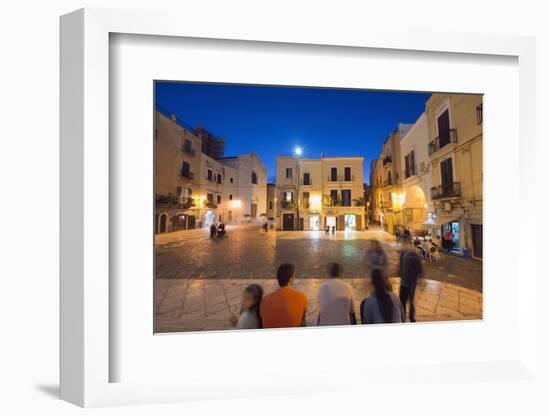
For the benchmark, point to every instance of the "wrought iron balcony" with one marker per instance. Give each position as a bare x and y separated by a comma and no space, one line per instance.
448,190
388,182
413,170
187,174
189,150
386,160
441,141
341,178
288,205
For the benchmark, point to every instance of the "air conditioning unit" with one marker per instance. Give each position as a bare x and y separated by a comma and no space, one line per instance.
445,206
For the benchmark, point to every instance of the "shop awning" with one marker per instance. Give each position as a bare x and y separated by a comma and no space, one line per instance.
440,220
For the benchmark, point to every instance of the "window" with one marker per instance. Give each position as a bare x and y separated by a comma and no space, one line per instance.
270,204
347,174
307,179
333,174
305,200
179,190
288,196
185,170
254,178
289,172
231,179
230,197
334,196
219,178
210,173
219,199
346,197
410,169
187,146
210,197
447,174
479,111
444,129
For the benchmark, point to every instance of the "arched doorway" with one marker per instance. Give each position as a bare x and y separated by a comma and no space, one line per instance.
415,207
162,223
209,218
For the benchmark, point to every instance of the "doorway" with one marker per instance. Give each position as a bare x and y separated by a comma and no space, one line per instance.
477,238
314,223
162,223
331,222
209,218
288,222
350,222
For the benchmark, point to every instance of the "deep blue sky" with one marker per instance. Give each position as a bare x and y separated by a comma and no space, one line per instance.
271,121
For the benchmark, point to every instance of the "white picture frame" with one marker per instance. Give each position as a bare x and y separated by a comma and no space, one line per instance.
86,355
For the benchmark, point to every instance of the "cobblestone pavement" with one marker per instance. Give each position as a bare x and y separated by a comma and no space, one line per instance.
206,304
249,253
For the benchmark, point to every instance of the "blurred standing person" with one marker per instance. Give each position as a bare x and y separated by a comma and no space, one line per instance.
213,230
448,238
382,307
410,270
336,300
376,258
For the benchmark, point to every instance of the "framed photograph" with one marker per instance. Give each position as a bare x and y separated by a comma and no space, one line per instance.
236,208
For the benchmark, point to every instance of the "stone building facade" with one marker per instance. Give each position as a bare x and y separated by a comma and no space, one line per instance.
455,124
314,194
194,189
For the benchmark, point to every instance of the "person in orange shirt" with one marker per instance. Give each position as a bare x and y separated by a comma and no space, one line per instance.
286,307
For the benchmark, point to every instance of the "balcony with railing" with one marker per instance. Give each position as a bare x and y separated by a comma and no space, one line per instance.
288,205
410,172
447,190
386,160
306,182
188,150
442,140
172,201
387,182
187,174
341,178
385,204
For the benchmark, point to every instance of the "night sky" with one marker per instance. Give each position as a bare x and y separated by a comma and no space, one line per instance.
272,121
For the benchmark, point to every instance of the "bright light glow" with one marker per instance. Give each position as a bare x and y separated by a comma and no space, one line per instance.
315,202
298,151
235,203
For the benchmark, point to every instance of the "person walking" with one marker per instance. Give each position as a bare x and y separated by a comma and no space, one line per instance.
383,306
376,258
286,307
213,230
249,317
336,300
410,270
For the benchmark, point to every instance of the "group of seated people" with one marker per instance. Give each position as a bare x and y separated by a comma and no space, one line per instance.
426,246
286,307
